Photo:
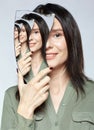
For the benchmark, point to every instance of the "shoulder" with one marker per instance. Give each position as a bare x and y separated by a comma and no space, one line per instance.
11,90
10,97
86,102
89,88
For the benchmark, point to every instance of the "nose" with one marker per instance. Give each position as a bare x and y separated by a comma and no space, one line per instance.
30,37
20,34
49,44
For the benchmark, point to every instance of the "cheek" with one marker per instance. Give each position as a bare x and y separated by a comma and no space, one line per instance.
61,45
39,40
15,33
39,45
25,36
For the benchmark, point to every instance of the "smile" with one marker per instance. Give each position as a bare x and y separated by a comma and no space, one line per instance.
31,44
21,38
50,56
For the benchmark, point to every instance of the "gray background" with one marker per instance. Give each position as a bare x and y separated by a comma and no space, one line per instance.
83,12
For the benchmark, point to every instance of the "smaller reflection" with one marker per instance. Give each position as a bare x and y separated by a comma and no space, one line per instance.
21,46
31,40
16,39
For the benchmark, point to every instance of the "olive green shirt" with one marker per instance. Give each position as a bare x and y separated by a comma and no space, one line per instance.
73,113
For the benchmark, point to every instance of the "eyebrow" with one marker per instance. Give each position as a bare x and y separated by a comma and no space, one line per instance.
35,29
54,30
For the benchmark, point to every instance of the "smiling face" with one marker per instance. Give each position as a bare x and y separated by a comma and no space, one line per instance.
35,40
15,33
56,47
23,35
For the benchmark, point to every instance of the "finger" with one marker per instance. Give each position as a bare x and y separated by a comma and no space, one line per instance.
18,48
40,75
41,99
18,52
45,96
44,81
24,64
20,79
25,56
18,44
28,60
44,89
26,69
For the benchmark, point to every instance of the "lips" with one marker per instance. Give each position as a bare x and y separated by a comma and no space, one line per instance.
21,38
50,56
32,44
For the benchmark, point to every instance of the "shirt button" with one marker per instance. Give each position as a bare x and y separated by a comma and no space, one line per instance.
56,123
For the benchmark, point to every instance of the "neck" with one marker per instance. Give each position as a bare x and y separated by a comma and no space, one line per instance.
58,84
23,48
59,80
36,61
16,41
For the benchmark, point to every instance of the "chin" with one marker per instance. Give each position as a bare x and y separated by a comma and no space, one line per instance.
51,65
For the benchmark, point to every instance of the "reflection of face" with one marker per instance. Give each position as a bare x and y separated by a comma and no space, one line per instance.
35,40
15,32
23,35
56,48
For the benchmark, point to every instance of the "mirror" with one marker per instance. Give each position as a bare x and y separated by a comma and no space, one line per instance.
30,38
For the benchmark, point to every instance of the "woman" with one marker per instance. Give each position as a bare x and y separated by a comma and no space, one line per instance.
25,29
41,37
21,48
70,103
16,39
37,38
71,92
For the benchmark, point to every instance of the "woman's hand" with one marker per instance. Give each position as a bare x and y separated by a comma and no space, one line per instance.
33,94
17,48
24,64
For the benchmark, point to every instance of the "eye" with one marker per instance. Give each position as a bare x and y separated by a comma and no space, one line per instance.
36,32
57,35
22,30
15,29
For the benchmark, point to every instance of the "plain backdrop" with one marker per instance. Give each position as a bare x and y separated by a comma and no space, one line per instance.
83,12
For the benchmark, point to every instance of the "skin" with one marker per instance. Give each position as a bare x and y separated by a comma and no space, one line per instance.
15,33
56,82
35,44
56,48
56,56
33,94
35,58
35,40
24,64
23,35
17,43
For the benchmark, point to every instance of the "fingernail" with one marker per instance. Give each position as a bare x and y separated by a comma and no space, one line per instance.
51,68
17,70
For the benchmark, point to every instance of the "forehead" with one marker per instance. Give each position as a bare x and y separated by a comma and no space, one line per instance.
56,24
23,27
35,26
15,28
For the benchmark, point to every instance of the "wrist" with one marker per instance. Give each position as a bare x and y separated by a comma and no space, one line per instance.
26,112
